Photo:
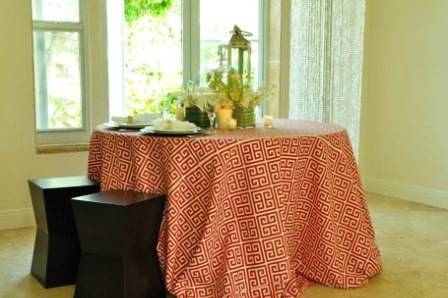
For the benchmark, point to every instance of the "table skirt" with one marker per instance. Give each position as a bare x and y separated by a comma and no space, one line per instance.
248,216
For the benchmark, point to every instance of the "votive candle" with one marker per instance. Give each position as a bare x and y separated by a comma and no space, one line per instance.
267,121
224,115
231,124
180,113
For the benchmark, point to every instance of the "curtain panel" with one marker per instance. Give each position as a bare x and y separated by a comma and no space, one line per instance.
326,62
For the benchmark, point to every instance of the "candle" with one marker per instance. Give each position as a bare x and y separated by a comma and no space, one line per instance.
267,121
180,113
224,115
231,124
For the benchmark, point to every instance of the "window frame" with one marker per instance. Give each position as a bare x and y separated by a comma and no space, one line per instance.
285,59
190,41
263,48
66,136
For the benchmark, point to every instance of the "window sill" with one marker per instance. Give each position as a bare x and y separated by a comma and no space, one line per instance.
51,149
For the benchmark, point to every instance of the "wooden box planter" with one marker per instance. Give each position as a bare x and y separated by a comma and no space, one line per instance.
196,116
244,117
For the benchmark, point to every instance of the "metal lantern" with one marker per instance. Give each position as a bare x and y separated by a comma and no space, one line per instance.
236,54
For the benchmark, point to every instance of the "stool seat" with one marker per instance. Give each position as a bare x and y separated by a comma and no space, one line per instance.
118,233
117,197
56,248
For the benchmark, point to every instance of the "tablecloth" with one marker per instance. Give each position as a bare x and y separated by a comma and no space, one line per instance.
255,212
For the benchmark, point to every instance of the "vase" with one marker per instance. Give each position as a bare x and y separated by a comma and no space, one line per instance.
245,117
195,115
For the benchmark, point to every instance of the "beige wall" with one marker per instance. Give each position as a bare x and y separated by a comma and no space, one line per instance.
18,160
404,141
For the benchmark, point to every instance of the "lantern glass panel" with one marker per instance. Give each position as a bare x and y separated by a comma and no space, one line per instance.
240,60
223,61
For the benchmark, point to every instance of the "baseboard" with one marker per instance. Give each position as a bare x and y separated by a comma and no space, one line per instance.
16,218
415,193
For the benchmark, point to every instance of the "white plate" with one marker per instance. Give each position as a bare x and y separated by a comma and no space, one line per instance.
152,131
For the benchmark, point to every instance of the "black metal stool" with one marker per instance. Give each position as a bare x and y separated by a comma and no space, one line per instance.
56,248
118,232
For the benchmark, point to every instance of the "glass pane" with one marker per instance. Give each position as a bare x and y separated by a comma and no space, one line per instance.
153,56
56,10
57,80
217,20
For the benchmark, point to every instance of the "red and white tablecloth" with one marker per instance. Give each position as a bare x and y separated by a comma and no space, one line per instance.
249,213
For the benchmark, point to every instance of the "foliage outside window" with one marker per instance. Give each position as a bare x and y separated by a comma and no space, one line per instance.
153,53
134,9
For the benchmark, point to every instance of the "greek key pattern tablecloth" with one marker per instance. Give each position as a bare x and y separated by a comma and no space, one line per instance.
249,213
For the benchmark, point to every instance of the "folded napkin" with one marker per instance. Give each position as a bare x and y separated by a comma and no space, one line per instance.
175,125
145,118
122,119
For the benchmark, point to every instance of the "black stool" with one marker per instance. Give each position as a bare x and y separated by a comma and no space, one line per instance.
56,248
118,232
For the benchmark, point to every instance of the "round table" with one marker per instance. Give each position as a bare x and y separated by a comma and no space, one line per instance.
250,213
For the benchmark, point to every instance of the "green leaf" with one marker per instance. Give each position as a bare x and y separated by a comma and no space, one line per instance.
135,9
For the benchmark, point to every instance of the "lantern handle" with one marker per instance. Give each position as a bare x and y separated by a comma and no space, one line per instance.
237,31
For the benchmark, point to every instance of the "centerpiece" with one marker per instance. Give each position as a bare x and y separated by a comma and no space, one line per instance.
232,81
230,92
235,92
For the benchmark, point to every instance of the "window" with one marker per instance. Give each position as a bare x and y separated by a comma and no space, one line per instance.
60,102
57,56
157,53
111,50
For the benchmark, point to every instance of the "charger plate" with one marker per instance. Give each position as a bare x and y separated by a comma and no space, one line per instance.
126,125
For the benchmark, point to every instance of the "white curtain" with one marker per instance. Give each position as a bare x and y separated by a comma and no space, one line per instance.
326,62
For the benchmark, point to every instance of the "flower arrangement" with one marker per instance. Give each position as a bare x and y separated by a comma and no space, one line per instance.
193,95
190,96
195,100
229,91
233,90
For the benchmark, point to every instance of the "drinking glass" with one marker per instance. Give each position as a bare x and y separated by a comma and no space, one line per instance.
209,108
165,108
